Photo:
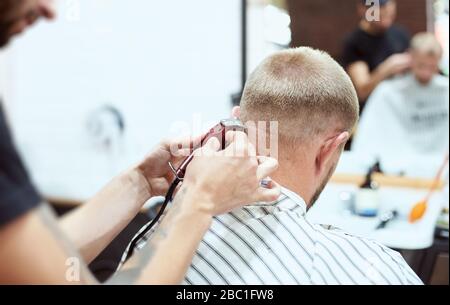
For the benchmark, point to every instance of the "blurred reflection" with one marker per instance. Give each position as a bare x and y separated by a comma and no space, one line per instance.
269,29
441,11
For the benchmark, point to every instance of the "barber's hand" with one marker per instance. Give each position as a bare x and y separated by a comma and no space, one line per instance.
396,64
222,181
155,168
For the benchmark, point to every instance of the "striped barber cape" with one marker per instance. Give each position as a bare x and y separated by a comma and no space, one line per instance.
275,244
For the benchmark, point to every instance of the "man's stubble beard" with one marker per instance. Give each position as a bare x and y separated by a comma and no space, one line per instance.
322,186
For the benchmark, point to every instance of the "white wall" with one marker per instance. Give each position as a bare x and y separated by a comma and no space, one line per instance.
157,61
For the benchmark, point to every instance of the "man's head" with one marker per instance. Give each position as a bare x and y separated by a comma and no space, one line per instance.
378,15
426,52
17,15
316,107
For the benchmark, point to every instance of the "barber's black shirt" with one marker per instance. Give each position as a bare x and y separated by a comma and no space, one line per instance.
17,194
373,50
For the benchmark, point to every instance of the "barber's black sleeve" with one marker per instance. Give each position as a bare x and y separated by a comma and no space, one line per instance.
17,194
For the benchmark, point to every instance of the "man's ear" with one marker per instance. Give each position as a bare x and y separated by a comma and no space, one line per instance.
328,150
236,112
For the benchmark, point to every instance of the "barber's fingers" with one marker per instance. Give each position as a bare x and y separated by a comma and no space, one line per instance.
47,8
181,147
239,145
187,142
266,167
211,147
268,194
271,190
231,136
213,144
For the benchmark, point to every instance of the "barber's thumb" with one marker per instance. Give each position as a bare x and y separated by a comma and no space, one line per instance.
266,167
213,145
236,136
268,194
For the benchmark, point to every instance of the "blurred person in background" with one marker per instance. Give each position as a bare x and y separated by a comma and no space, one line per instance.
37,248
414,108
376,50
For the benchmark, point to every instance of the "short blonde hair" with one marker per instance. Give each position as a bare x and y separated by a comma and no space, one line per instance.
426,43
305,90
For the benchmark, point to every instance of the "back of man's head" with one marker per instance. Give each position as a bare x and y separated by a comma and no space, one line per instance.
305,91
316,107
426,43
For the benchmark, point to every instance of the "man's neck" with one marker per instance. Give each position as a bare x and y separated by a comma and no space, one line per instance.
295,177
366,27
422,83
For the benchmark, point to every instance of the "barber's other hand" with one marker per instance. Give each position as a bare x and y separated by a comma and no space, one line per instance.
396,64
155,168
221,181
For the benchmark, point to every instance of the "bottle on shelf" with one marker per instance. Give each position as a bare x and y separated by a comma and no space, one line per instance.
367,199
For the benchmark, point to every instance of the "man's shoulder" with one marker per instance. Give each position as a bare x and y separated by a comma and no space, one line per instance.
407,81
387,262
354,239
441,82
332,231
393,85
265,233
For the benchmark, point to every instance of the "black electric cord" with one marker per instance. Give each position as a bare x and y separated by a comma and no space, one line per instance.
150,225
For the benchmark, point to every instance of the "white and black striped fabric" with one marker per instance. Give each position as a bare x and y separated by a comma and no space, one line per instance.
277,245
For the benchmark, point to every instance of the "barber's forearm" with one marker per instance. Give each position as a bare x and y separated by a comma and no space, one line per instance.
94,225
174,244
366,81
366,89
169,252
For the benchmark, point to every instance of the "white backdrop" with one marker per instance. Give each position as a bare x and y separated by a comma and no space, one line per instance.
159,62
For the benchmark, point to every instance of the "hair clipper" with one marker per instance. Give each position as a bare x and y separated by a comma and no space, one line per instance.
219,131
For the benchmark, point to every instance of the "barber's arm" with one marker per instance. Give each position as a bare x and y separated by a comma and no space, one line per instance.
365,81
198,201
94,225
34,250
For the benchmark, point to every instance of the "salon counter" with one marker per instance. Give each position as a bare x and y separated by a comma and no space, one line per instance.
67,184
333,208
